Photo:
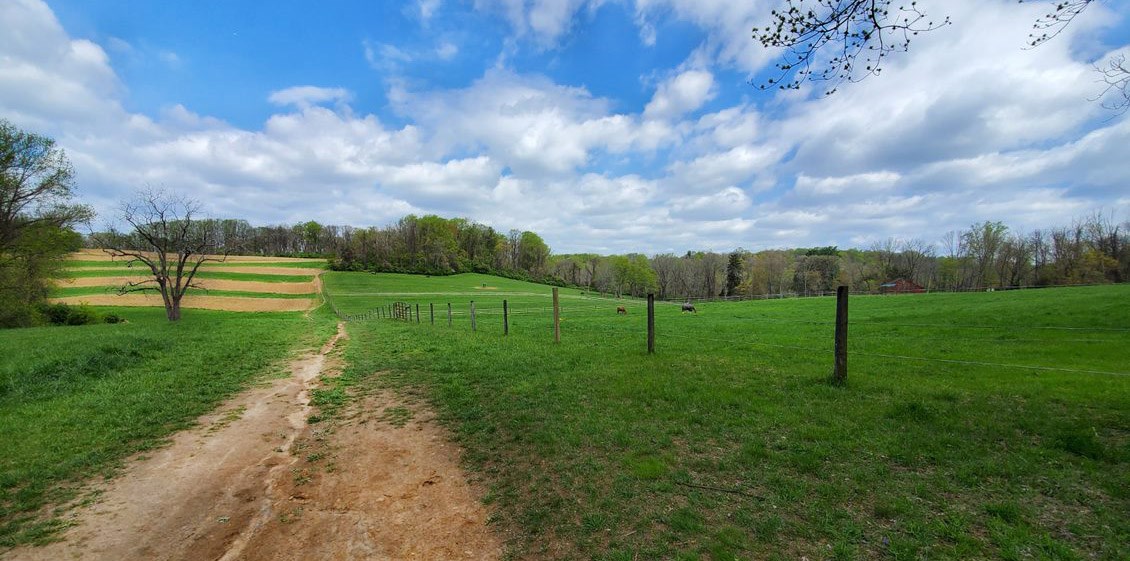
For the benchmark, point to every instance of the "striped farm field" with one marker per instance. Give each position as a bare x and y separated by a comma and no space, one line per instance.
239,283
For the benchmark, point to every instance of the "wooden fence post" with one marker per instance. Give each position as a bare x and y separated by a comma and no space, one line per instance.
432,313
472,315
650,323
449,314
556,318
417,313
839,373
505,319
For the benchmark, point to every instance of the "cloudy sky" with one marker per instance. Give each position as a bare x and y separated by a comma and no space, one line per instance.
606,126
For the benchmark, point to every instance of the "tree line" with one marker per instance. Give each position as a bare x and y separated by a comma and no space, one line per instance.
1094,249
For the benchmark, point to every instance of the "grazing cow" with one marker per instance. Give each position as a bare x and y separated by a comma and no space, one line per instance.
688,307
621,310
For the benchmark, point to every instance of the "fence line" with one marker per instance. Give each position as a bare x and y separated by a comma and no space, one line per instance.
579,312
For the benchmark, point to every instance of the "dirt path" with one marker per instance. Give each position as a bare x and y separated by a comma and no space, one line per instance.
256,481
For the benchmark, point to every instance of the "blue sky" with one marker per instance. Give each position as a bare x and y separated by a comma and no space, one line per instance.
606,126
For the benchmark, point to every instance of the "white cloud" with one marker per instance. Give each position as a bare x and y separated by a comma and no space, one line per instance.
427,8
862,184
735,166
681,94
446,50
170,58
728,203
305,96
545,21
528,123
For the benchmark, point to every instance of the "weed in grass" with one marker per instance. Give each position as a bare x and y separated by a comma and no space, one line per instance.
686,521
647,467
291,516
397,416
1082,442
300,476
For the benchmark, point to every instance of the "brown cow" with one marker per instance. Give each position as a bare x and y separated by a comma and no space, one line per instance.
621,310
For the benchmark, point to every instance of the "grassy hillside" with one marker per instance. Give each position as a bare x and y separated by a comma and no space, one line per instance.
987,425
75,407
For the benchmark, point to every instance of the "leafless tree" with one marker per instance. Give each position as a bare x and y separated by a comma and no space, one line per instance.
850,29
834,41
667,269
170,239
1116,74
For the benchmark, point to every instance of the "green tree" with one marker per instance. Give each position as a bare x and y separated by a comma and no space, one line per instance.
312,237
734,272
36,220
533,253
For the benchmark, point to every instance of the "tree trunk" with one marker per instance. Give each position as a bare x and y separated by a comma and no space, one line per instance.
173,310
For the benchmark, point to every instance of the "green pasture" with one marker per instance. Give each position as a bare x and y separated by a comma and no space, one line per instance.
987,425
358,293
75,401
63,292
224,275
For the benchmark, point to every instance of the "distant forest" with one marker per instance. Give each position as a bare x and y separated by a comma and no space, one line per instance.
1094,249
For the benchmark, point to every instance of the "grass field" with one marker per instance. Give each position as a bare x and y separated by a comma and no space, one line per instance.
987,425
74,408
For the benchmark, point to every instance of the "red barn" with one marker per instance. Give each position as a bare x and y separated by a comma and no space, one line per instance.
900,286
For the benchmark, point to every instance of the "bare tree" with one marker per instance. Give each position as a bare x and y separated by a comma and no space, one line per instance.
666,268
849,29
170,239
1116,74
859,34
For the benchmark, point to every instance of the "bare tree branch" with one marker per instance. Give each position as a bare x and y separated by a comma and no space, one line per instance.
847,40
856,28
1054,22
1116,75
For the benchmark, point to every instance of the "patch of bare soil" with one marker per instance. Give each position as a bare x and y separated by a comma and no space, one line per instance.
99,255
211,284
216,268
228,303
255,481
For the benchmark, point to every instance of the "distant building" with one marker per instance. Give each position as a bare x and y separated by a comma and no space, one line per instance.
900,286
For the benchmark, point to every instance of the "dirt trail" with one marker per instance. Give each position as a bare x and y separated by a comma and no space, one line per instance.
256,481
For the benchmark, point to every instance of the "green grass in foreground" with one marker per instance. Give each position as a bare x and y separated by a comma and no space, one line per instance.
224,275
730,443
63,292
75,401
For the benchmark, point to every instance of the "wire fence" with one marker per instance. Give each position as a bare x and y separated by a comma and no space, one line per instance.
869,331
